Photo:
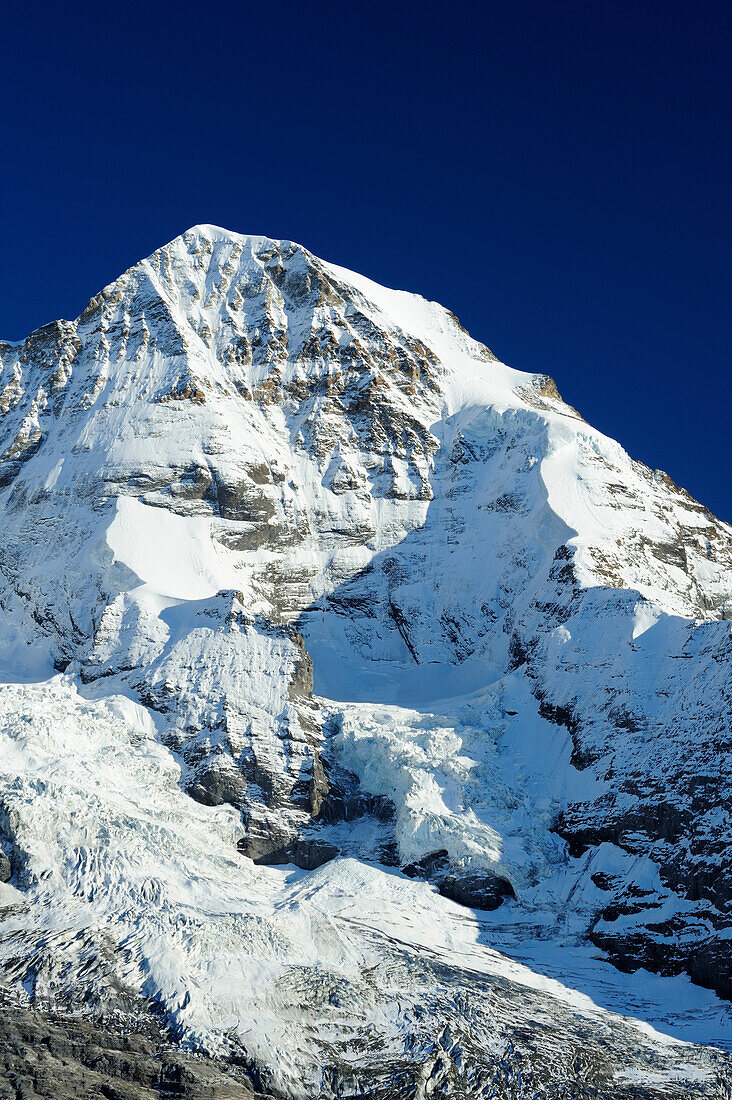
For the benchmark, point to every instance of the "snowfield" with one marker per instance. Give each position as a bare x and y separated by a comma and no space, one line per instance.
130,881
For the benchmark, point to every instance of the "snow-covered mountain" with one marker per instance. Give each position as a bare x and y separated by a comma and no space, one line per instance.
366,714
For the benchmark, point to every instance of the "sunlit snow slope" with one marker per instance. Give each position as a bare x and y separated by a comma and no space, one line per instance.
364,711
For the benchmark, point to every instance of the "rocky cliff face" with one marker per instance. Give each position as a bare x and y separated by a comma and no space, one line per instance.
335,650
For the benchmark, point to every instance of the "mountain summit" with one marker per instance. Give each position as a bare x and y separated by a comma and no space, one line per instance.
366,714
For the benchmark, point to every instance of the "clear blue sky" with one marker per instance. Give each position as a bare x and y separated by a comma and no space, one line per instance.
558,174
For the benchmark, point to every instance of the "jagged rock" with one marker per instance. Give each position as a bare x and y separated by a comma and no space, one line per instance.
479,891
483,891
55,1057
307,854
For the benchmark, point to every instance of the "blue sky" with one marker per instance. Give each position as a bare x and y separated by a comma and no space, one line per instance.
557,174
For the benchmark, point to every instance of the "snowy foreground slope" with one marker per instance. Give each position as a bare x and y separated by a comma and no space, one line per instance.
365,715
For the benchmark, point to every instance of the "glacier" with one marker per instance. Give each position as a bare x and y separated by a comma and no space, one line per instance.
365,713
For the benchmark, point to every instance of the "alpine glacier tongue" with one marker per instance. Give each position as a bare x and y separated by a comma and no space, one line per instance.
336,657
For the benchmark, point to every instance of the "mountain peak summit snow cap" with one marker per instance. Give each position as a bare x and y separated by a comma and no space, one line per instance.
207,256
216,296
200,237
203,237
217,233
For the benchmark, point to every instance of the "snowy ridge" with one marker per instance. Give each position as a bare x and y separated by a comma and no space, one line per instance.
335,654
